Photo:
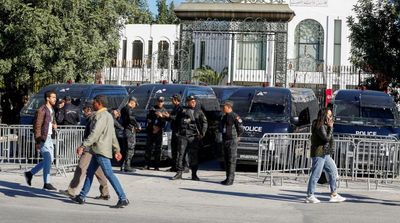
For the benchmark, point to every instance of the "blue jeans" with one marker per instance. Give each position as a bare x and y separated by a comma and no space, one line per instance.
318,164
47,152
105,165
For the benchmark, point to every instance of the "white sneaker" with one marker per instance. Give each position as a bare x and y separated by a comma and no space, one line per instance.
312,200
337,199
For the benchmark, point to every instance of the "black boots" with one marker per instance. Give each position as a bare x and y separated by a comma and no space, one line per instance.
77,199
227,182
127,163
194,174
28,177
178,176
48,187
230,175
122,203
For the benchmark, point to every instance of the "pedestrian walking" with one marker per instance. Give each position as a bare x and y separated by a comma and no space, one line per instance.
102,142
44,126
156,121
83,164
192,129
322,147
131,126
231,128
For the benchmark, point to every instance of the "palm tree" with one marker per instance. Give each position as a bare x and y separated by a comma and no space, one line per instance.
207,75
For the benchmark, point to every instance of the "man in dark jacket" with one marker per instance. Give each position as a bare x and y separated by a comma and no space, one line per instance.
231,128
68,114
176,101
44,126
156,121
192,128
131,126
119,132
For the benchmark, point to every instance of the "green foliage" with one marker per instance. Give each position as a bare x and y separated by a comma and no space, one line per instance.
375,38
48,41
166,14
162,16
172,18
208,76
141,13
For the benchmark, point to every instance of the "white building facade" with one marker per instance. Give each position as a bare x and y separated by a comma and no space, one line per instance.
318,51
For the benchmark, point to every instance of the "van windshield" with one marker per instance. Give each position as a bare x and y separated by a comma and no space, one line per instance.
266,112
260,112
34,103
354,113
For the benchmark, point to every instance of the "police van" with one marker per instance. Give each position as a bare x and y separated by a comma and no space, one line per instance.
365,113
146,96
224,92
271,110
80,93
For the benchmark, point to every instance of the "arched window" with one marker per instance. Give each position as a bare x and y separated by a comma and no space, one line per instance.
163,54
309,45
137,53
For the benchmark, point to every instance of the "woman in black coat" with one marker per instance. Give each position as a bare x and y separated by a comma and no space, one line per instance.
322,147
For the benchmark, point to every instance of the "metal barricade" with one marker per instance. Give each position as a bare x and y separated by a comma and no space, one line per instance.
67,140
17,146
377,160
345,158
366,158
284,155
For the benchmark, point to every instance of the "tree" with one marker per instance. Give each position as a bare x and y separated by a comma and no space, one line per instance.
375,38
172,18
48,41
142,15
207,75
162,16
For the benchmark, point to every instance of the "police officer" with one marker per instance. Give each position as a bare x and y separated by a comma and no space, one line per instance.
176,101
156,121
131,126
231,128
192,128
68,114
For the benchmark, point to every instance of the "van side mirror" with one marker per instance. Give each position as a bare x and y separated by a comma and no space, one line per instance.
294,120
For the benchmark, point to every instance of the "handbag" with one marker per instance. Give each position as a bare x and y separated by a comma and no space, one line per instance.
322,179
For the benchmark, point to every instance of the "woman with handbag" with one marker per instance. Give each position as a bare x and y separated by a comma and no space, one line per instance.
322,147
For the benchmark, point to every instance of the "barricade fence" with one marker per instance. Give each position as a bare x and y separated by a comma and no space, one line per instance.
358,158
17,146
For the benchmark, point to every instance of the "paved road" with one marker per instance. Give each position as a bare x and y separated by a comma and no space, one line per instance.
155,198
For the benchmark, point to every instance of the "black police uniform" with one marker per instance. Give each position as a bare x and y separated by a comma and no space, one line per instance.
192,128
174,137
154,139
68,115
231,128
130,125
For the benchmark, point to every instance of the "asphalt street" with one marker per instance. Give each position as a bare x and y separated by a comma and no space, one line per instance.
156,198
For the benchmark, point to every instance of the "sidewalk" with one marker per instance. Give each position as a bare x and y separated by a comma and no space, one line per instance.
155,198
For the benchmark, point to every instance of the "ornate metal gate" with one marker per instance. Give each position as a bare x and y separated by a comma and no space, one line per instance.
251,49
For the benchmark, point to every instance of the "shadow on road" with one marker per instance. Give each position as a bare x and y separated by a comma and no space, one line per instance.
12,189
277,197
355,198
15,190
